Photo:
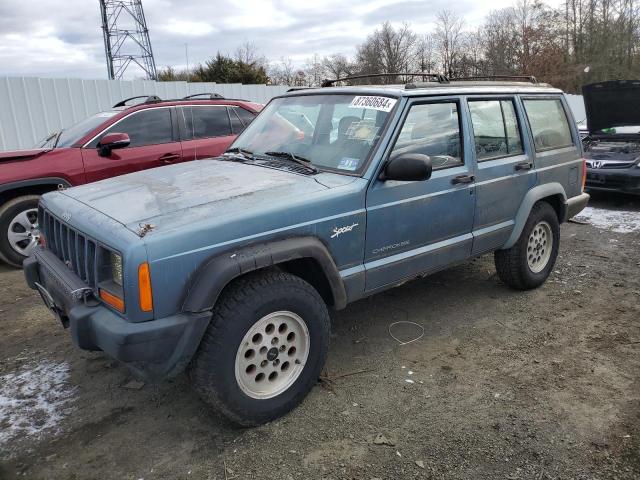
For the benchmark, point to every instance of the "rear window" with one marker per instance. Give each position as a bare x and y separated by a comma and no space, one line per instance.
549,124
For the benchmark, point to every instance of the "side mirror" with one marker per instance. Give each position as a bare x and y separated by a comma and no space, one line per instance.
112,141
408,167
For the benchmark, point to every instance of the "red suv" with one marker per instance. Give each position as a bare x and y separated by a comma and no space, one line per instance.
125,139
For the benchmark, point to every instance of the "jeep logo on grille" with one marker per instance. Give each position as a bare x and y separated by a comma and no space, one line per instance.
66,216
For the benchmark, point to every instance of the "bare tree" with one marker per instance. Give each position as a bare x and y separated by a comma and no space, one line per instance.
249,53
387,50
314,71
337,66
449,39
425,54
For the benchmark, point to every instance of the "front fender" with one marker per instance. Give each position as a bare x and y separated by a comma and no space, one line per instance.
217,272
534,195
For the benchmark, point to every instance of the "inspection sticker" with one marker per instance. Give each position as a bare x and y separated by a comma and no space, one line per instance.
383,104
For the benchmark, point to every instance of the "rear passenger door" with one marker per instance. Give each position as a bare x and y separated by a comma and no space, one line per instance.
418,227
205,131
504,169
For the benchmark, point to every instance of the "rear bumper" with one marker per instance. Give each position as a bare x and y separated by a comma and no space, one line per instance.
156,349
614,180
576,204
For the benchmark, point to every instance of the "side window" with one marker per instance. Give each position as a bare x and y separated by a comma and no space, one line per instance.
549,124
245,115
236,125
147,127
432,129
206,122
495,128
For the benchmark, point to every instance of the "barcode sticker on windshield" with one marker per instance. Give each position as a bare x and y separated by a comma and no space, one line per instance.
383,104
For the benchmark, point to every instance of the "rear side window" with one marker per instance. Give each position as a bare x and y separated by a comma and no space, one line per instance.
495,128
146,127
245,115
549,124
432,129
206,122
236,125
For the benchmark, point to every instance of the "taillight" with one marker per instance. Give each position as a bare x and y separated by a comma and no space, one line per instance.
144,288
41,240
584,173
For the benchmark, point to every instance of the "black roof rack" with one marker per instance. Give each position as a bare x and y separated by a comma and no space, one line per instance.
438,77
516,78
148,99
211,96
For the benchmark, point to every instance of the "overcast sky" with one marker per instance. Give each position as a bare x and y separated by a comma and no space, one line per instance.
54,38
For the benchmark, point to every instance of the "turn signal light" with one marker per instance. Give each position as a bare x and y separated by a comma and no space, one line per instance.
144,288
584,173
115,302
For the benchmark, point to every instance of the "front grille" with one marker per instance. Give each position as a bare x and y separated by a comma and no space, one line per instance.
618,165
77,251
604,164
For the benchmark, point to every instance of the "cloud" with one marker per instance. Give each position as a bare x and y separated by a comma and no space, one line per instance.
64,37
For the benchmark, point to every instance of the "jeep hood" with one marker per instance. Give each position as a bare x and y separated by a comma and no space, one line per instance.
167,197
612,104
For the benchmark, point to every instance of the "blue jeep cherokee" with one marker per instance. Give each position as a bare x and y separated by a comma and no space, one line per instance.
226,267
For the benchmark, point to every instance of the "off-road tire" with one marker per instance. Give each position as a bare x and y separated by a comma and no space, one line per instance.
240,306
8,211
512,264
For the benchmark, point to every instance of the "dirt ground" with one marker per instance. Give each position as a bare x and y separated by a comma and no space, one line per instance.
503,384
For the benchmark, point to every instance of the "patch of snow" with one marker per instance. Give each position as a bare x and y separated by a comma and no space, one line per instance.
620,221
34,400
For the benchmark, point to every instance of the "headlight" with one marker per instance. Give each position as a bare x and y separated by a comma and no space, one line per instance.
116,268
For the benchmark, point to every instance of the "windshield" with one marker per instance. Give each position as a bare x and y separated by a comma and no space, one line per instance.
331,131
71,135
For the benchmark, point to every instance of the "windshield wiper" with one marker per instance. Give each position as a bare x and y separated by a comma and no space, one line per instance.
299,160
244,152
58,135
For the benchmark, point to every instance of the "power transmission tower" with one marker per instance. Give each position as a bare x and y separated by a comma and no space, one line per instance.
126,38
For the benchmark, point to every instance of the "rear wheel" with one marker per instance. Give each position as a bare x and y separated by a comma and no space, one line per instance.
530,261
19,231
264,348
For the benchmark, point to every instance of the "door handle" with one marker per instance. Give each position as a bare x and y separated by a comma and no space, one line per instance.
524,166
169,157
463,179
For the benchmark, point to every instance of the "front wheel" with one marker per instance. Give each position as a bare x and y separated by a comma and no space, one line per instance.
530,261
264,348
18,229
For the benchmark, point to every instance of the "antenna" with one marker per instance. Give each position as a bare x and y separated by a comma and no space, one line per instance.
126,38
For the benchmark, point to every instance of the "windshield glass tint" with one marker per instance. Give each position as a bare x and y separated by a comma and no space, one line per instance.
72,134
332,131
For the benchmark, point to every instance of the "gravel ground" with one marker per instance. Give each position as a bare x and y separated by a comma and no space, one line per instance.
503,384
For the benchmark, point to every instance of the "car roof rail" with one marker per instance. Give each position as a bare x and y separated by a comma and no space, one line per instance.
489,78
438,77
148,99
211,96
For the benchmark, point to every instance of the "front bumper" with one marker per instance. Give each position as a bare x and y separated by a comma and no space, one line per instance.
615,180
576,204
156,348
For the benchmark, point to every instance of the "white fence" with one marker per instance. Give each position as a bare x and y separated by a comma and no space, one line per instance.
31,108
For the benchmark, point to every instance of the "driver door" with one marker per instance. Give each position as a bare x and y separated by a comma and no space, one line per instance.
418,227
153,144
